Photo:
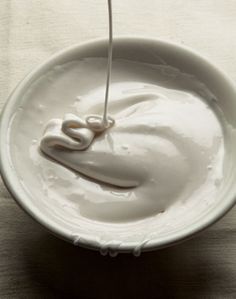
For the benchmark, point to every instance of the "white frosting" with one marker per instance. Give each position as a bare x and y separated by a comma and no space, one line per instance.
166,146
157,148
166,149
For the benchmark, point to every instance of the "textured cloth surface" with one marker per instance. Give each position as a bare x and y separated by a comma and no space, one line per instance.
34,264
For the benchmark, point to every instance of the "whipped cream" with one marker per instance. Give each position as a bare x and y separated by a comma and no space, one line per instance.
166,145
167,141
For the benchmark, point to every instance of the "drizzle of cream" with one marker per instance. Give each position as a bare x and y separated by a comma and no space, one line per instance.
58,132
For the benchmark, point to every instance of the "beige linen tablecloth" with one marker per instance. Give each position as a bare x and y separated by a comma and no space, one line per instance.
34,264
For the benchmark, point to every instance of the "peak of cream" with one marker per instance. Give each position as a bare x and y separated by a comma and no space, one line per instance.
73,133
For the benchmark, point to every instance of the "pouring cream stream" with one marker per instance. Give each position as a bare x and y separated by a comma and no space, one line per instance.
156,152
82,132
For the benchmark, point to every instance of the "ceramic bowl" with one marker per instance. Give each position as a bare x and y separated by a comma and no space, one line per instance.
128,237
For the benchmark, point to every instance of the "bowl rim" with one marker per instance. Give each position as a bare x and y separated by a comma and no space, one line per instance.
19,195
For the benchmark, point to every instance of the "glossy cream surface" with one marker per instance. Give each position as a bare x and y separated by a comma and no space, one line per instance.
162,158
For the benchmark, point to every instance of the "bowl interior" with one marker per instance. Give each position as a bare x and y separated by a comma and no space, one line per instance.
27,187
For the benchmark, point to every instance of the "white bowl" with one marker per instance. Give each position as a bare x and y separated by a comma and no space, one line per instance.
120,237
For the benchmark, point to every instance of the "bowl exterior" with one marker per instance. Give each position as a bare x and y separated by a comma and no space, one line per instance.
10,178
